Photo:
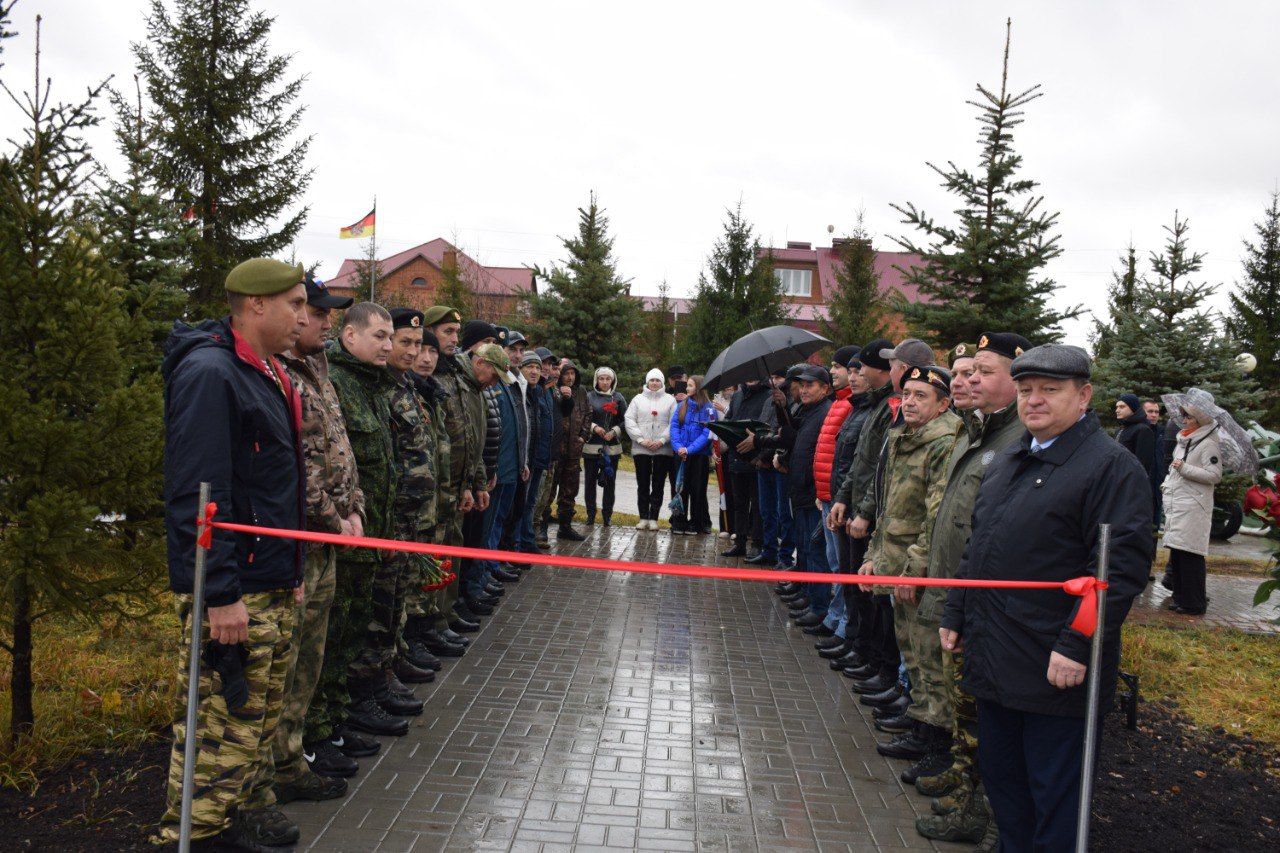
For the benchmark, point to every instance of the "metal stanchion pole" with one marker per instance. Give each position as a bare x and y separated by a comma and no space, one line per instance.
1091,718
193,685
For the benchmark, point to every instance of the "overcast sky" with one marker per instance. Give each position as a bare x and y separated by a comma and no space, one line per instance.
490,122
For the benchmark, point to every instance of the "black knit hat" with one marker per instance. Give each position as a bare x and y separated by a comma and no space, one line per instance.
871,356
476,331
845,354
429,339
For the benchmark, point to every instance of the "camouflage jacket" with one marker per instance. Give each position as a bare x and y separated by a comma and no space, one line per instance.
364,392
979,443
333,489
464,416
414,431
915,477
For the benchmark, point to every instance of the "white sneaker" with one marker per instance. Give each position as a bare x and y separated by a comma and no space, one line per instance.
642,524
653,524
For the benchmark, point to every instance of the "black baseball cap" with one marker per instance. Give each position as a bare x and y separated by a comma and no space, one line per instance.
318,295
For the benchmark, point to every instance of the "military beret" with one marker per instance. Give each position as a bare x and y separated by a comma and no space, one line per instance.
1007,344
405,318
264,277
960,351
437,314
912,351
1056,361
842,355
502,333
496,356
938,377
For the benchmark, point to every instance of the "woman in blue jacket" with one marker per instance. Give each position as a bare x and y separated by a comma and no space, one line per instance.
691,441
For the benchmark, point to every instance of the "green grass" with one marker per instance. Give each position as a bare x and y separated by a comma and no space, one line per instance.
1217,677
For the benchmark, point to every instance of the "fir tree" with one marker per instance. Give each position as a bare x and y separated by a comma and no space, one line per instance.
856,311
655,341
144,237
736,294
1170,341
368,273
455,291
80,436
586,311
1121,296
225,123
1255,309
983,272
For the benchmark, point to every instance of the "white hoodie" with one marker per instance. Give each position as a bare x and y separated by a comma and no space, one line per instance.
649,418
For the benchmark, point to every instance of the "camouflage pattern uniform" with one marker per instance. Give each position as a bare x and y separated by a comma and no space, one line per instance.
415,508
969,460
333,493
237,752
365,594
915,478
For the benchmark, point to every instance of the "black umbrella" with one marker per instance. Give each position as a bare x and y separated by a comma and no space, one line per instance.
757,354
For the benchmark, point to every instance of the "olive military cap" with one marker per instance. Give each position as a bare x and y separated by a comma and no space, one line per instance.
437,314
960,351
264,277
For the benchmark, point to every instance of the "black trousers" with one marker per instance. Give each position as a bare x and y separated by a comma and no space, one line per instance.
591,464
511,525
652,471
746,507
697,515
472,537
729,498
1187,575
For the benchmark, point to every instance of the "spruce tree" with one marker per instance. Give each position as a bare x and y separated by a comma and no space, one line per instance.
143,235
656,332
586,311
1170,341
225,116
736,294
80,433
856,311
368,273
1254,320
456,292
983,272
1121,296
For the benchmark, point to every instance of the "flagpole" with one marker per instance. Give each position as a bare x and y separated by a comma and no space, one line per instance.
373,251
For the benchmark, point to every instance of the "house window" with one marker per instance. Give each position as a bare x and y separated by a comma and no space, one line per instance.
419,282
794,282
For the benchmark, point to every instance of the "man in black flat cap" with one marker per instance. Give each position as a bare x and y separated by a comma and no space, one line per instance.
1036,518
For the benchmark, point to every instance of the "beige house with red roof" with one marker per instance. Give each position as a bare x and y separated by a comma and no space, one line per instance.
411,278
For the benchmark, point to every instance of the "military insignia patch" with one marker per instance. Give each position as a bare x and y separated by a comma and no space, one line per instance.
983,341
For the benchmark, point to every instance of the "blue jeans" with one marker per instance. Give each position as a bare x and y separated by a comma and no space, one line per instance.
525,534
837,619
491,534
811,556
776,523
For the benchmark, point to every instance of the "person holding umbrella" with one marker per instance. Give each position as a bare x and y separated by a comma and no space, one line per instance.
1188,499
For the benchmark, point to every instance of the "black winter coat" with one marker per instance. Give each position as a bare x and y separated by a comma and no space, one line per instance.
847,439
747,405
492,430
808,424
227,423
1036,518
1139,437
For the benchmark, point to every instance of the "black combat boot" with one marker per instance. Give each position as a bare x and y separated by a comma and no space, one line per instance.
325,759
311,786
366,715
566,531
912,744
268,826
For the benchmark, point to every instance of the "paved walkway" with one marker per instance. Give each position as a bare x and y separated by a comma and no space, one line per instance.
608,710
624,496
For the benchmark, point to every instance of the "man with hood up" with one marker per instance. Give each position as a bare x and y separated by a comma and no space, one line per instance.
575,414
648,422
1137,437
233,419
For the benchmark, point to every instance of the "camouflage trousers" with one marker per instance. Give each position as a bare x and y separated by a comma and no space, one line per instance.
448,532
385,606
312,620
234,749
344,639
922,654
546,493
964,726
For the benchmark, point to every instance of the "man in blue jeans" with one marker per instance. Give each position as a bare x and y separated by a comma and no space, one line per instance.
815,401
490,363
538,403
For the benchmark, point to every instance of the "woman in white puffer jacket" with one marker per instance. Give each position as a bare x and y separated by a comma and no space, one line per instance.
648,422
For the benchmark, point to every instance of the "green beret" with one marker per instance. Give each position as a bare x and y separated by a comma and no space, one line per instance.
496,356
437,314
263,277
960,351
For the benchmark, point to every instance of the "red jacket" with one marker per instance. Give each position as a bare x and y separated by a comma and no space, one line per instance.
823,456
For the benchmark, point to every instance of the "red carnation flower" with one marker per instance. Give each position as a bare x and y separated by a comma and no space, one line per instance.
1274,510
1257,498
611,407
654,413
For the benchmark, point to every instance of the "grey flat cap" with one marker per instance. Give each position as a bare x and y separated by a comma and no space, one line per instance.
913,352
1056,361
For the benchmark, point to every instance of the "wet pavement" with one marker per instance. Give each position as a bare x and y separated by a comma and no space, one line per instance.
617,711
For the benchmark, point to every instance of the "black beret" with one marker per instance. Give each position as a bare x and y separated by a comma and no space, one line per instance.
405,318
844,354
938,377
871,356
1008,344
1056,361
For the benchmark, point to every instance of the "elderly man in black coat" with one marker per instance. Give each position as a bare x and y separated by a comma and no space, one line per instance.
1036,518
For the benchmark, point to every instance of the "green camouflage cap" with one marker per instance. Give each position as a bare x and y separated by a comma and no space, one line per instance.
264,277
438,314
960,351
496,356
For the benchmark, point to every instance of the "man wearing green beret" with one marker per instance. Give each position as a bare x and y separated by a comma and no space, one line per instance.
231,420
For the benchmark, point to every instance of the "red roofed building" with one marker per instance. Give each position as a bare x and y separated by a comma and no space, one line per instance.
410,279
807,277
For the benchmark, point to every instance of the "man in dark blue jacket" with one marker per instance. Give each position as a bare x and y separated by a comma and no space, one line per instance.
541,425
1036,518
811,547
233,420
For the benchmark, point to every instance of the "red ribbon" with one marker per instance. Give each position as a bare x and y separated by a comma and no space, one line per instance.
1085,587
